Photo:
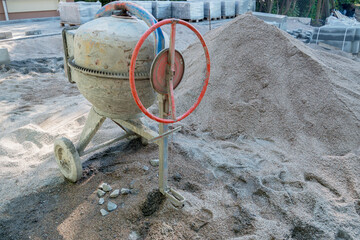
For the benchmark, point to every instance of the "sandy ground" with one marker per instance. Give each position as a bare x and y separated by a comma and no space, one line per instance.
39,105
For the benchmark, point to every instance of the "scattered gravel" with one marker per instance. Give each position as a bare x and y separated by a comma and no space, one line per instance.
104,212
115,193
111,206
100,193
154,162
101,201
177,177
33,32
39,65
106,187
125,191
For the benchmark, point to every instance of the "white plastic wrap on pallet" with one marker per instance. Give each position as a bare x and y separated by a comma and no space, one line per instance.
161,9
188,10
228,8
268,17
78,12
214,7
241,6
344,37
252,6
147,5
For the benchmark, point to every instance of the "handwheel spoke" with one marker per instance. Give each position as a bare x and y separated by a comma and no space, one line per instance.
172,100
171,70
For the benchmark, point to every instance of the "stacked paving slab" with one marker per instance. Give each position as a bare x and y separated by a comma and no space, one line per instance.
228,8
161,9
212,9
193,11
346,38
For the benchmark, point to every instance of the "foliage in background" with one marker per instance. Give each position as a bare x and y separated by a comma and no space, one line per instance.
103,2
317,10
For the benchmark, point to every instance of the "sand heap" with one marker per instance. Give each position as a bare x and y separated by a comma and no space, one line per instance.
266,84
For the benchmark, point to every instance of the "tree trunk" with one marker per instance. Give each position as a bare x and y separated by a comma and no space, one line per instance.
332,4
269,5
294,5
318,11
310,6
326,9
288,4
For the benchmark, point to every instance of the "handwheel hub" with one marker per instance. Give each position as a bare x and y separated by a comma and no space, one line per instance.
159,68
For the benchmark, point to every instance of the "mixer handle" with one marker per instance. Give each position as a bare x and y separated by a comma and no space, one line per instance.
137,11
170,92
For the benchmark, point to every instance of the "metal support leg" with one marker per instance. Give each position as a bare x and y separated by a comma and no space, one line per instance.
92,125
175,198
163,148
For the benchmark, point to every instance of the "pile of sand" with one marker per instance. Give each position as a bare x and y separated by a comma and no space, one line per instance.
279,126
266,84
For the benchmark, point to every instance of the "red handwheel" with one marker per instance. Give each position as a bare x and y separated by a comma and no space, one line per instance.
173,59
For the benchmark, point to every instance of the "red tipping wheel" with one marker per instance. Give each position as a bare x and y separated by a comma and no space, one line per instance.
173,75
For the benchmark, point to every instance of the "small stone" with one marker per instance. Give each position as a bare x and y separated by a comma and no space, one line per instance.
133,183
146,168
100,193
177,177
134,236
104,212
125,191
106,187
111,206
154,162
115,193
101,201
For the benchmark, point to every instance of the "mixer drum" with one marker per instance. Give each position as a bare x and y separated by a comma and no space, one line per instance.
100,67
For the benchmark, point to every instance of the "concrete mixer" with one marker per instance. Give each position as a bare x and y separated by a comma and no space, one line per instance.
121,71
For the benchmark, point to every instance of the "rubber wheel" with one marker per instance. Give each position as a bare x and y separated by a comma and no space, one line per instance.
68,159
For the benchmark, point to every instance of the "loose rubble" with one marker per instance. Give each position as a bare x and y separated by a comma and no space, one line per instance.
125,191
115,193
100,193
101,201
154,162
105,187
111,206
304,36
104,212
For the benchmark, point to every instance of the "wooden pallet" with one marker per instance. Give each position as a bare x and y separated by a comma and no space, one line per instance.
213,19
193,20
62,24
227,17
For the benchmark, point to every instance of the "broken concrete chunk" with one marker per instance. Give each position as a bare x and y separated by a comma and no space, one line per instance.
4,56
125,191
115,193
100,193
154,162
104,212
5,35
101,201
111,206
